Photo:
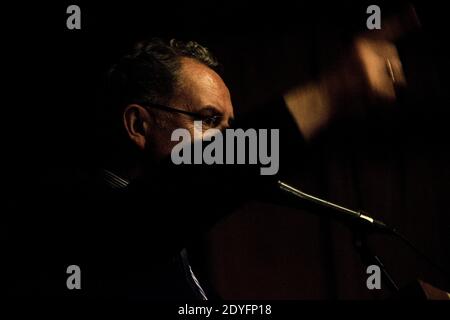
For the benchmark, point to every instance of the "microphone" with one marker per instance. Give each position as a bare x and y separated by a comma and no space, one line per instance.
358,217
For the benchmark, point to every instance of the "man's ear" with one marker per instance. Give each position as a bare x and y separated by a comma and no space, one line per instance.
137,123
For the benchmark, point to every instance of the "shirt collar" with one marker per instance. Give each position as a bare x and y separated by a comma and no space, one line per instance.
113,180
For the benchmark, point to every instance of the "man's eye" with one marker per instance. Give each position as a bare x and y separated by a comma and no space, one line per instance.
213,121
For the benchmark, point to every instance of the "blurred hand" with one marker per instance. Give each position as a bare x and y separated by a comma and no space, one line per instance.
373,68
370,72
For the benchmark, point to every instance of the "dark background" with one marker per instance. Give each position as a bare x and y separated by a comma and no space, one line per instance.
392,162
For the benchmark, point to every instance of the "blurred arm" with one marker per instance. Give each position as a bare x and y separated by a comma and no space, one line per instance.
370,72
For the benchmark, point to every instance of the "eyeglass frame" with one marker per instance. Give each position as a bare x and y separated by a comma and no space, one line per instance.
194,115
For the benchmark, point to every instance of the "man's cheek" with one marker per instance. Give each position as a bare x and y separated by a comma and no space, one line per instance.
196,131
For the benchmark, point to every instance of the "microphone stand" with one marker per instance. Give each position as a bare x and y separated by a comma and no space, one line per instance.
369,257
361,224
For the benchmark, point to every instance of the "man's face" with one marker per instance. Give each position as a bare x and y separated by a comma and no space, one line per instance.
201,90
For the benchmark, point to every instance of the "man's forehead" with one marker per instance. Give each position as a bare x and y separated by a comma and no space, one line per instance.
203,86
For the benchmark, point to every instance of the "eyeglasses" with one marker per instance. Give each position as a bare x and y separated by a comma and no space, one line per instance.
210,120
